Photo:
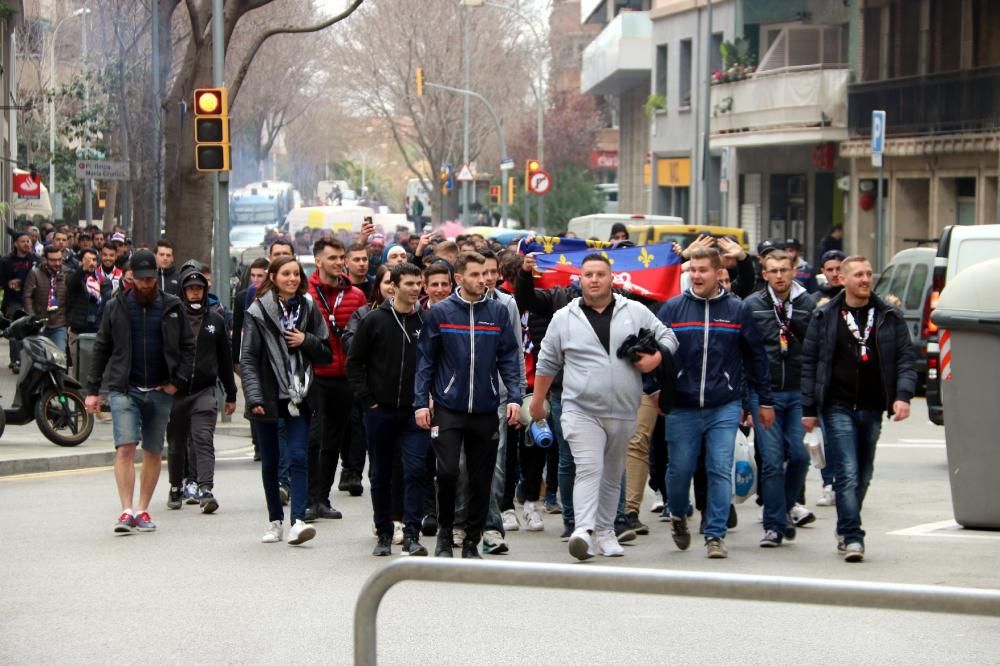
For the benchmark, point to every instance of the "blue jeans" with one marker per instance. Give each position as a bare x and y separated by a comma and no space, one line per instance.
851,437
779,484
57,336
284,473
297,447
686,428
388,429
140,416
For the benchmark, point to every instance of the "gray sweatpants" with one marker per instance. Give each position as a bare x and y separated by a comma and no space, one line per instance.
599,447
193,419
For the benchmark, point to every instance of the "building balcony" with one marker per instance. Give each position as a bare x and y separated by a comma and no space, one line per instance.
797,105
936,104
620,57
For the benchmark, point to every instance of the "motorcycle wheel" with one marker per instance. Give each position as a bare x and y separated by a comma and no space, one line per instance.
64,419
3,422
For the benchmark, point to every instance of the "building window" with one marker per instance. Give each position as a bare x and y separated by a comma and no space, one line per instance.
661,70
715,64
684,80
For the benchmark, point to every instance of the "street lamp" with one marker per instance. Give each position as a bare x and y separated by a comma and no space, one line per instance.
52,102
536,89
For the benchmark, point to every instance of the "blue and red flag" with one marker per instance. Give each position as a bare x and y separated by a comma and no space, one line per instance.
650,271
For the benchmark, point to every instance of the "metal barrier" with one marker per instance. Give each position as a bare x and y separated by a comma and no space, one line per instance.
885,596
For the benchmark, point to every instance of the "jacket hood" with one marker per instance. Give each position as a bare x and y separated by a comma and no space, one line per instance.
388,307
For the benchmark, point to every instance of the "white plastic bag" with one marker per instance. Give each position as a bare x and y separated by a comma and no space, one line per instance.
744,468
813,442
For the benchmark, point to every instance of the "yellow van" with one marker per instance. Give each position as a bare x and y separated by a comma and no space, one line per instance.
646,229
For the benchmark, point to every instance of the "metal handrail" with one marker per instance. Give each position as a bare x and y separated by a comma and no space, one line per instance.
885,596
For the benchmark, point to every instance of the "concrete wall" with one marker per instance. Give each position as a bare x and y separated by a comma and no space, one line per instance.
633,146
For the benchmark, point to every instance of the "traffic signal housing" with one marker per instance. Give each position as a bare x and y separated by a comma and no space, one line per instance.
495,195
530,168
420,81
211,130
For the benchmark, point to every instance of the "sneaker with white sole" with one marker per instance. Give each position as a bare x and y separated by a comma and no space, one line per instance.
828,498
608,546
273,533
510,522
300,533
493,543
771,539
397,533
716,548
581,545
841,544
854,552
532,517
657,503
801,516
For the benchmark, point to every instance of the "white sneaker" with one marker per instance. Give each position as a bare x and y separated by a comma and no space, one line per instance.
608,546
532,517
510,522
828,498
273,533
801,516
300,533
657,503
458,537
760,514
493,543
397,533
581,546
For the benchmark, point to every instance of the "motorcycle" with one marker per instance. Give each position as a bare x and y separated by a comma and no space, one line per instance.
46,393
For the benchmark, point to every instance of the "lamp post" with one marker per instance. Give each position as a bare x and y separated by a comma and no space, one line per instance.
52,91
536,89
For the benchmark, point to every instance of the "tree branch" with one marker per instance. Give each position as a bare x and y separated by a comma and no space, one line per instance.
234,87
196,28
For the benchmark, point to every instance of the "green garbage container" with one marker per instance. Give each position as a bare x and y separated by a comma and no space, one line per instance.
969,309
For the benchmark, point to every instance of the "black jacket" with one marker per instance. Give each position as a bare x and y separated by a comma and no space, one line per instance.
786,369
170,281
382,360
113,347
540,305
743,278
13,267
83,315
261,329
213,358
891,339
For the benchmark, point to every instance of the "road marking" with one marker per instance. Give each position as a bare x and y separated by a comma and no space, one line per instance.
910,446
56,473
926,441
947,529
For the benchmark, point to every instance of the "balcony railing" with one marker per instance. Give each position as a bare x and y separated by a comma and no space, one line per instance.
963,101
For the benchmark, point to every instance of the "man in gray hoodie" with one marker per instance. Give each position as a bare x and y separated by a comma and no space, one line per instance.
601,395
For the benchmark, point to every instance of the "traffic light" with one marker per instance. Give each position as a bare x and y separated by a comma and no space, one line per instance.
420,81
102,198
211,129
510,190
532,167
495,195
447,183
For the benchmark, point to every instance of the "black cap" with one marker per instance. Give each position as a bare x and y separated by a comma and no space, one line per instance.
793,243
766,246
830,255
143,265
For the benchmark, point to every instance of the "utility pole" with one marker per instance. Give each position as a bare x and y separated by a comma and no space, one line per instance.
465,131
155,231
88,204
220,232
706,118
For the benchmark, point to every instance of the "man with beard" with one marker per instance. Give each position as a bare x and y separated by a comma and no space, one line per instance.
146,345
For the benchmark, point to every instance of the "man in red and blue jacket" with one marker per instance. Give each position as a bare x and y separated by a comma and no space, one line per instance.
719,353
466,339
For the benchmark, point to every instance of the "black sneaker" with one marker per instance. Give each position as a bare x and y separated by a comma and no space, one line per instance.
470,551
704,521
345,478
634,524
310,515
568,529
413,547
790,531
680,533
771,539
174,499
383,546
443,548
207,501
429,525
354,485
15,367
624,532
733,519
327,512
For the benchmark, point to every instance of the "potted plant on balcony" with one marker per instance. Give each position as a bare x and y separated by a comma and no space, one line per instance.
738,62
654,103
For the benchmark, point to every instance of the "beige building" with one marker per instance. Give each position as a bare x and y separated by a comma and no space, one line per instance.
9,22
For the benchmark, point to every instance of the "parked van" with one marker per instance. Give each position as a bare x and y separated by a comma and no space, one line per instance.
959,248
906,281
646,229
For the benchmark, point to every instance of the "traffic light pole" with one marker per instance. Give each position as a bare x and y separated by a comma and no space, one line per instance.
220,232
499,128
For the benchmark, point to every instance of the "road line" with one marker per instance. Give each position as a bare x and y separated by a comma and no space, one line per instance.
955,531
55,474
925,441
910,446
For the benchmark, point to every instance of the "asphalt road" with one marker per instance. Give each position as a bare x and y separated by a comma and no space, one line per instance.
204,589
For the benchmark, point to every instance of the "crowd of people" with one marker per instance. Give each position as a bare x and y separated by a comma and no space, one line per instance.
445,366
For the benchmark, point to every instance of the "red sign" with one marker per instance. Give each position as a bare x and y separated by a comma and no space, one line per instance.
823,156
27,187
604,159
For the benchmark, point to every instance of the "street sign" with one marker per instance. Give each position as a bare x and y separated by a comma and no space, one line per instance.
540,182
506,164
465,175
102,170
878,137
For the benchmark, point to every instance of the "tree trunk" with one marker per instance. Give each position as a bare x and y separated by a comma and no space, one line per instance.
110,204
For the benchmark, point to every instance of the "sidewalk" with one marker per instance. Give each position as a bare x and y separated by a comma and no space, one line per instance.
25,450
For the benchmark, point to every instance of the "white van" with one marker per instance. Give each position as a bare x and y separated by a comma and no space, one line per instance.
960,247
335,218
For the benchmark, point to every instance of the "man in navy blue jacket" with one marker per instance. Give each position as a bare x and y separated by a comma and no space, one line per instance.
465,340
718,343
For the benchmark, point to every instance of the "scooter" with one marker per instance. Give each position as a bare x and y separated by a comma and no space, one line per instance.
46,393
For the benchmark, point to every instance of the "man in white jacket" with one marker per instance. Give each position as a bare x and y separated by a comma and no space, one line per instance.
601,394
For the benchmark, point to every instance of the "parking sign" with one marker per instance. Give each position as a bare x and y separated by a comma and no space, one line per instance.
878,137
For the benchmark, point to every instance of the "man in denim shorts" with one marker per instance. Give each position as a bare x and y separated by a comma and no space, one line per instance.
143,353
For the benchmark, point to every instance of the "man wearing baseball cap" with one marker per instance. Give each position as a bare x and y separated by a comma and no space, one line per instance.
146,345
804,273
